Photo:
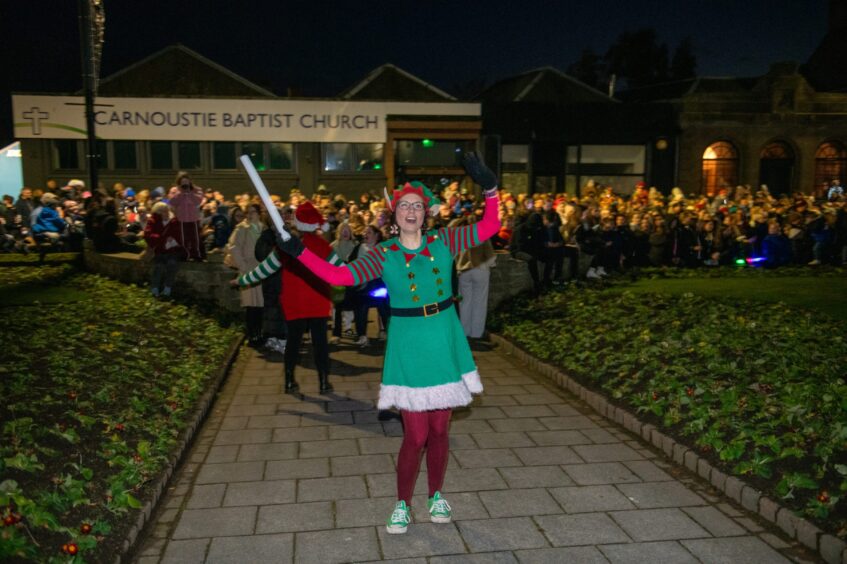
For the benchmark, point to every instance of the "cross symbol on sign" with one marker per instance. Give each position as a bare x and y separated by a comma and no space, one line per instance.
35,115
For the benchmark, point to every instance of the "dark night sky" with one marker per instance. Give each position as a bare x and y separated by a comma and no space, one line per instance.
322,47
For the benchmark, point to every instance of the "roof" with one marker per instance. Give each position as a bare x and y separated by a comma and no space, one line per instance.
177,70
389,82
545,85
681,88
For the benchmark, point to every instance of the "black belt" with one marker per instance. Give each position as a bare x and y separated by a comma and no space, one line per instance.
424,311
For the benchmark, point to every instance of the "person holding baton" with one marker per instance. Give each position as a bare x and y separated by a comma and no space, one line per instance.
416,267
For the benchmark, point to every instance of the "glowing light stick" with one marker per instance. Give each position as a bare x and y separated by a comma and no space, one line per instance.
266,198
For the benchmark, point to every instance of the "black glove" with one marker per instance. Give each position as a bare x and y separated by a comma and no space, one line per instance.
293,247
480,173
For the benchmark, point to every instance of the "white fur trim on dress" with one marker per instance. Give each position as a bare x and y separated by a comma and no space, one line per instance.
473,382
444,396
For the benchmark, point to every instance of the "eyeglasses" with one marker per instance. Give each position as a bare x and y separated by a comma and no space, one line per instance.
406,206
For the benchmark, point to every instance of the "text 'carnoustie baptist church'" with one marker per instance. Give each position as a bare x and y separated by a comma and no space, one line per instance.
245,120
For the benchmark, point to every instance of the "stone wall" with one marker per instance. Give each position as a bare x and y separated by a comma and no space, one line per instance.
197,280
210,280
509,277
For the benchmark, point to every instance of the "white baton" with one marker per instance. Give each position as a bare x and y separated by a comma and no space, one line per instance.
266,198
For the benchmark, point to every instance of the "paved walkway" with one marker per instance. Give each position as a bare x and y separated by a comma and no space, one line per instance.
534,476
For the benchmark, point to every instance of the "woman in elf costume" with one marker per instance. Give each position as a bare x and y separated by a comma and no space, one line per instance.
428,367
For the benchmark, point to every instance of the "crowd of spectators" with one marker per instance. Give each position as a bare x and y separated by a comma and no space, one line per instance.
560,236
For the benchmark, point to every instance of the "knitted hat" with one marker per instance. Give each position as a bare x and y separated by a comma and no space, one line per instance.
129,193
307,218
76,183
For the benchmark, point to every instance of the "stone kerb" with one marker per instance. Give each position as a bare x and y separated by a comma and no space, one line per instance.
832,549
208,280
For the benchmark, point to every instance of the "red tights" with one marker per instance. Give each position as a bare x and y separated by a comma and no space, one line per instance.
422,429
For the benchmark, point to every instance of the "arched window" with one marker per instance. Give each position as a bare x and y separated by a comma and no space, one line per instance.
776,167
830,164
720,167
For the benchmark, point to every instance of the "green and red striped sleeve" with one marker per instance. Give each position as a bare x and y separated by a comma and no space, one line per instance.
459,239
368,267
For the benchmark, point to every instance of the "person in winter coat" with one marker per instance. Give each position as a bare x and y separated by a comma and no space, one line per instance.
591,244
240,254
159,234
48,223
474,268
528,244
658,242
366,294
273,322
104,230
343,245
553,253
186,201
305,298
776,248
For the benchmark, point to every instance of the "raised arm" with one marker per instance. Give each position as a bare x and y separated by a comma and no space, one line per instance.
363,269
267,267
461,238
272,263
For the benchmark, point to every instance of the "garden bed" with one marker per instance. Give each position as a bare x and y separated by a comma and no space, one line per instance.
756,387
98,383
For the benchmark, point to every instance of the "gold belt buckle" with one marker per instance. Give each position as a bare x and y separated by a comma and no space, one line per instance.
428,312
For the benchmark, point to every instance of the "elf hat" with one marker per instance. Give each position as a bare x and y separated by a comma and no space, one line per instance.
429,200
307,218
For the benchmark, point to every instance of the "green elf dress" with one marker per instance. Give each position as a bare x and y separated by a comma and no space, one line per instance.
428,363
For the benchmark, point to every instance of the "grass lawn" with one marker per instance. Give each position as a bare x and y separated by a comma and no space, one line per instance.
98,381
34,258
827,295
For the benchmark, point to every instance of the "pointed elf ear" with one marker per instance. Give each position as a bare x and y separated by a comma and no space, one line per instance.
387,198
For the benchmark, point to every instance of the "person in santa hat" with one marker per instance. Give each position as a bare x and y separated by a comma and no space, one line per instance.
305,298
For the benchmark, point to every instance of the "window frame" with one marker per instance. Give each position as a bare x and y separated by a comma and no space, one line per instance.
355,158
238,148
721,163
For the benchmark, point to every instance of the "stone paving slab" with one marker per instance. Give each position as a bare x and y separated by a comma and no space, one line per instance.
534,475
658,524
647,552
584,529
295,517
513,533
337,545
256,548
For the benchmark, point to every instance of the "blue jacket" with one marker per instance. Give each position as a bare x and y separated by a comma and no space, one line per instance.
48,220
776,250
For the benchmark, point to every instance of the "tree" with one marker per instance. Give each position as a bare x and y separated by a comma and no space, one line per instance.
684,63
638,58
589,69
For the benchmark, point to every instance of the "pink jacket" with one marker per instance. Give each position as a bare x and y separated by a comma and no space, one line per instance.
186,205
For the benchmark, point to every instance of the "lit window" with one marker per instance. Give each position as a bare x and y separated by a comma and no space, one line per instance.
830,164
720,167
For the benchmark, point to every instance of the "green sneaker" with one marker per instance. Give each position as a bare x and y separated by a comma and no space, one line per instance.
399,520
439,509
